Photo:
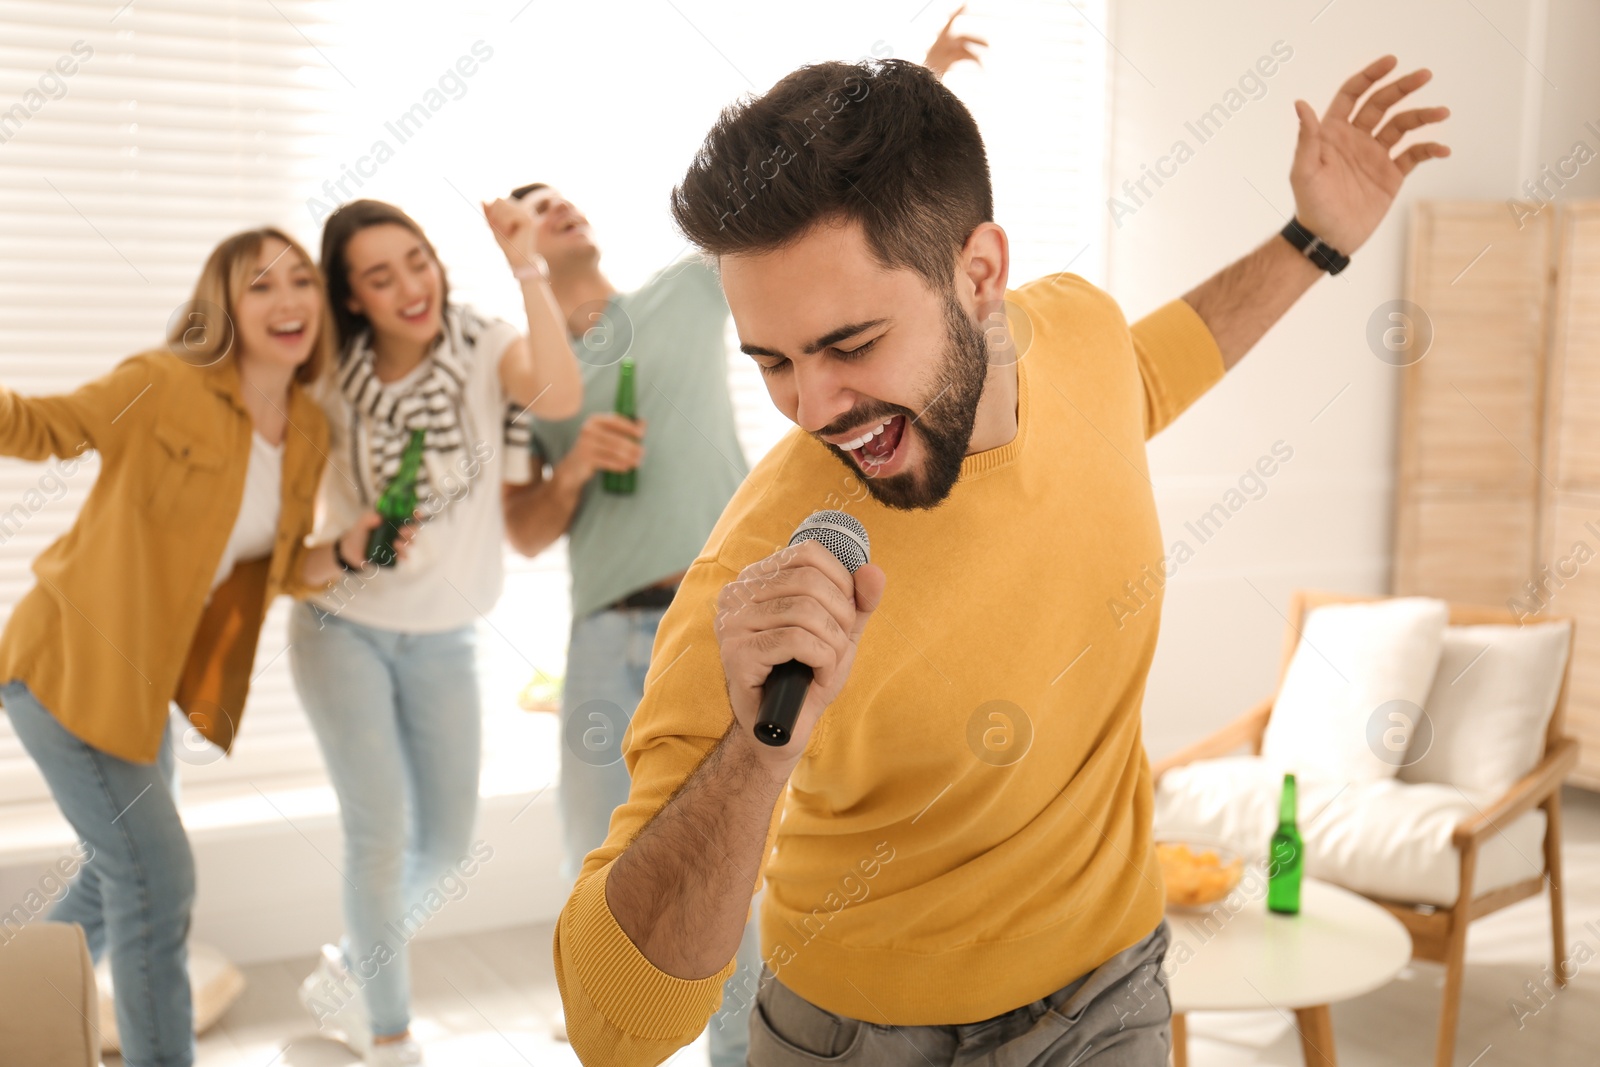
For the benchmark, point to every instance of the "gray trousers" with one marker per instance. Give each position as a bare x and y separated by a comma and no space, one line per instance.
1117,1015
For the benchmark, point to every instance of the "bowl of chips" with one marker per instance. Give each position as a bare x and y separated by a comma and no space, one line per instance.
1197,873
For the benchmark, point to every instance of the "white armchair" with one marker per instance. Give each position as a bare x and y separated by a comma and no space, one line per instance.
1441,817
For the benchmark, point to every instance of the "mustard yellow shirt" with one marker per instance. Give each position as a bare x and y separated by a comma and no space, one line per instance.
970,826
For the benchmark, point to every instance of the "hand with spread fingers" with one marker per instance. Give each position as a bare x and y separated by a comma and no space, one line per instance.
1346,173
951,48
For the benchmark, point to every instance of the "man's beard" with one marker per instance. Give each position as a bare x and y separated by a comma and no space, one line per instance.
944,423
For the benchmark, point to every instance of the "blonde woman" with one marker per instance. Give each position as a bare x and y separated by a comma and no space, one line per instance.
384,663
210,452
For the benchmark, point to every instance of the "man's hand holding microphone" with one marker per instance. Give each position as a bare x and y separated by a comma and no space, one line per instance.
787,629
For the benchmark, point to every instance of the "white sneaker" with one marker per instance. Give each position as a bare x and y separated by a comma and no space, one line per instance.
403,1053
332,996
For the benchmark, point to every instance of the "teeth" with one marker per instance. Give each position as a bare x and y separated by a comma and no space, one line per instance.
850,446
415,309
289,327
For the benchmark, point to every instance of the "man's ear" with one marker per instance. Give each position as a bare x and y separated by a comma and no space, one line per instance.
983,268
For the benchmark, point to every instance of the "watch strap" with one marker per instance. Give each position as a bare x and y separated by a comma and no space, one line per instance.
1314,248
338,557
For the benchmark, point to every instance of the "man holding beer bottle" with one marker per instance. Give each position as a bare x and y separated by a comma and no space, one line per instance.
636,480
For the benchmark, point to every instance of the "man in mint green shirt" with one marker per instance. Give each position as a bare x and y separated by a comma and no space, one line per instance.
628,551
672,328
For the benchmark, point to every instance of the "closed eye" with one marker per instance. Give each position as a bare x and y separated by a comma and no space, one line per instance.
843,355
856,352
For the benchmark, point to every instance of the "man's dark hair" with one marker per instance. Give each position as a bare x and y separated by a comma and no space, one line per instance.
881,142
523,190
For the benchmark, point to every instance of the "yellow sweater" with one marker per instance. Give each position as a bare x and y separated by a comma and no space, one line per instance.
970,826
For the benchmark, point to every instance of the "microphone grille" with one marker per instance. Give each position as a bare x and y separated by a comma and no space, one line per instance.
840,534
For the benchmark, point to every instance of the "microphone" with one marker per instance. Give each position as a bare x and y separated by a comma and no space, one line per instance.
785,688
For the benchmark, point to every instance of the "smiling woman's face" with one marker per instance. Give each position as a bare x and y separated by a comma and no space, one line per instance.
278,310
396,283
884,371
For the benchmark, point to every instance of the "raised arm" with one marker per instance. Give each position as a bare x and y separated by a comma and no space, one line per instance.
950,48
537,370
1344,179
100,414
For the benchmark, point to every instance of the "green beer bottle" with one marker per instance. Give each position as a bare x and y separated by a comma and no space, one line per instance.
1286,857
623,481
397,504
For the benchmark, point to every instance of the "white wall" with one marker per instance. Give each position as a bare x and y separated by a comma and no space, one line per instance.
1326,518
1573,32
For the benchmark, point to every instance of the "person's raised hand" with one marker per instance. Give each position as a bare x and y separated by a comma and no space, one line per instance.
1346,172
950,48
513,230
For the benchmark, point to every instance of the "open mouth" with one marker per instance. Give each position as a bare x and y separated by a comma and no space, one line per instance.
416,313
289,332
877,449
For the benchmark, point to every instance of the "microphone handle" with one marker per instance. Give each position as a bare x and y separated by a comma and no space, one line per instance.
781,699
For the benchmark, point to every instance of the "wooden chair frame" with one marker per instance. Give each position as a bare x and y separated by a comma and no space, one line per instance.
1440,934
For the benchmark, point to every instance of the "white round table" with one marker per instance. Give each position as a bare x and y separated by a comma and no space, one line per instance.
1241,957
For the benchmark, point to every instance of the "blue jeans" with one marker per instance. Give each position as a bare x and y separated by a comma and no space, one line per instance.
398,719
607,657
134,893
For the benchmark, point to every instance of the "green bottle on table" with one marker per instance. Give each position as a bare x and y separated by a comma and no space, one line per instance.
1286,856
623,481
397,504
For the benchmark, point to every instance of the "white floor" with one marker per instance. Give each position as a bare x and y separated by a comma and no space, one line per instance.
478,1000
483,1000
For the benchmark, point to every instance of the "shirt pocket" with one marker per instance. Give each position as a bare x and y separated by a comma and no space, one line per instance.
186,474
297,519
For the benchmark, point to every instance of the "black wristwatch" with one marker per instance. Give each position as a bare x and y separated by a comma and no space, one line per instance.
1314,248
338,557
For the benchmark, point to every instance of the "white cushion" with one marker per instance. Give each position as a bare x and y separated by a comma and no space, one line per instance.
1333,718
1490,704
1383,838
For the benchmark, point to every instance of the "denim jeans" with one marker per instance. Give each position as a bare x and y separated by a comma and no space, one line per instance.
398,719
607,657
134,893
1117,1015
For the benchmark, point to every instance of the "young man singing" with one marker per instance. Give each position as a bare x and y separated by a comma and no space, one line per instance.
936,892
